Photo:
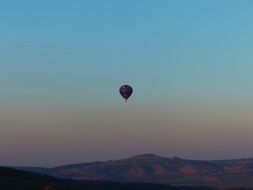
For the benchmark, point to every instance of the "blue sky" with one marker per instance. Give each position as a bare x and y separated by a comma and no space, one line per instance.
61,63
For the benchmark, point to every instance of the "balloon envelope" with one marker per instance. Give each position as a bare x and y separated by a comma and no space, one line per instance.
126,91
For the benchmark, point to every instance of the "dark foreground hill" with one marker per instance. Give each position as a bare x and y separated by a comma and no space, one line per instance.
11,179
156,169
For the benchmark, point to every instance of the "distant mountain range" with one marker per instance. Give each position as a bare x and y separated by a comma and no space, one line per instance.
157,169
12,179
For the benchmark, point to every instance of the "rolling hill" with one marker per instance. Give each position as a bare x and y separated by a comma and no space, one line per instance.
12,179
157,169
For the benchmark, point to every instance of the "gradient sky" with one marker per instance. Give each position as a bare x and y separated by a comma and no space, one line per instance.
62,62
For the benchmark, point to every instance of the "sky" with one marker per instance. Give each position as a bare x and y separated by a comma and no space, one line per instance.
61,64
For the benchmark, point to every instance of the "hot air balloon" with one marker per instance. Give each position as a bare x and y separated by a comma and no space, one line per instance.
126,91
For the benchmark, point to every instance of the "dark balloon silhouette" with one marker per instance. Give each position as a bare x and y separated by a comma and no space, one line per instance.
126,91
